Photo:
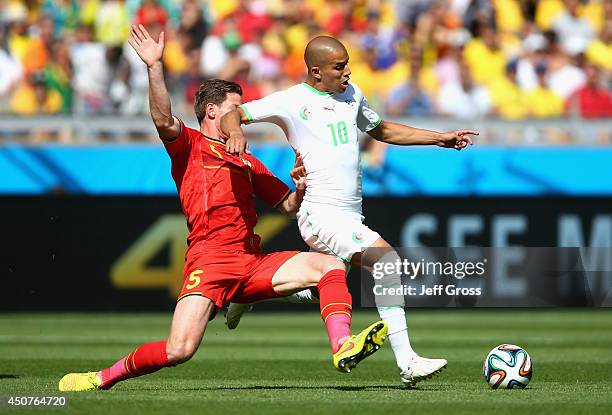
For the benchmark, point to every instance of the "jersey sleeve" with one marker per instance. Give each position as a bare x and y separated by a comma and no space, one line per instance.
181,144
267,186
271,108
367,118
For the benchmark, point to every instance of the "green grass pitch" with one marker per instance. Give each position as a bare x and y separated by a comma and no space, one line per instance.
280,363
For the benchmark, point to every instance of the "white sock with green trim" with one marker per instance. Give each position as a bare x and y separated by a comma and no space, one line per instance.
391,311
395,318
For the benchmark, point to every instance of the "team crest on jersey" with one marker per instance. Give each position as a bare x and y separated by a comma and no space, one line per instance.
357,237
305,113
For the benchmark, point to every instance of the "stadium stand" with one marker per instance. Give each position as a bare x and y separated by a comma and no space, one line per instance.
469,60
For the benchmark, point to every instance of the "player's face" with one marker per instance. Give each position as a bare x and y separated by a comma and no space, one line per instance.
336,73
231,102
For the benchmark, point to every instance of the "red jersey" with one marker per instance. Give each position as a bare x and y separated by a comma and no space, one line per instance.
217,191
592,102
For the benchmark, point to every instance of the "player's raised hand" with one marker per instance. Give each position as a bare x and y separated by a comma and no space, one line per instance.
148,49
236,143
457,139
298,173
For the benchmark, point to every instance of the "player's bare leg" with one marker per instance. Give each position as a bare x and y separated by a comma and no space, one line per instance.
191,316
189,323
413,368
306,270
328,275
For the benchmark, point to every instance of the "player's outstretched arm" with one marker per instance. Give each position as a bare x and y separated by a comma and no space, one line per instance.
403,135
230,127
151,53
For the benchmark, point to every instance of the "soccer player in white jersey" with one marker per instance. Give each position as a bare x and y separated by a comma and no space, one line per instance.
321,118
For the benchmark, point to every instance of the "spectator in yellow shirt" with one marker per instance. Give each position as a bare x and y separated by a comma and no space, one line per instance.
599,51
33,97
18,39
542,102
508,98
484,56
508,16
112,23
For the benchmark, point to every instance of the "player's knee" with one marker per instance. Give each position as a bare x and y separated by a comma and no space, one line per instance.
327,263
180,352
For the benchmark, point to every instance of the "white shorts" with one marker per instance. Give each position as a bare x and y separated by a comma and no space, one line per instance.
335,232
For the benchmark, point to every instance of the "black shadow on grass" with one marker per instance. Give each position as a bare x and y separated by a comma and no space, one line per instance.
7,376
278,387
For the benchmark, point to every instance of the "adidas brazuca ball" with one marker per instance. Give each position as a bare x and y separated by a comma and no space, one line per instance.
508,366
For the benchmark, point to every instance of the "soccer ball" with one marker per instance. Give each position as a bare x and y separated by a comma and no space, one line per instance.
508,366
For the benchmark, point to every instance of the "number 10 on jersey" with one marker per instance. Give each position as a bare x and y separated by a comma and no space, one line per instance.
339,132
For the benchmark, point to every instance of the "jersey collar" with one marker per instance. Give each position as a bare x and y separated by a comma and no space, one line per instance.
215,140
316,91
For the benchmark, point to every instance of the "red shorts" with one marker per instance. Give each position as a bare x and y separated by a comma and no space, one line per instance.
228,276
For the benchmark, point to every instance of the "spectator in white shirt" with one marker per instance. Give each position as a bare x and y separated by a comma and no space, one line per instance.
91,73
575,33
10,71
464,99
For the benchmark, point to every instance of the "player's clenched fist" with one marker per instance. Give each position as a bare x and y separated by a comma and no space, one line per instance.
148,49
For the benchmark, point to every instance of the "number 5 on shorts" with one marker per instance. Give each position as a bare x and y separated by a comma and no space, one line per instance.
194,279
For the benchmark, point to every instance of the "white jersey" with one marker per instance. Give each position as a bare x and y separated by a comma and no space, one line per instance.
322,127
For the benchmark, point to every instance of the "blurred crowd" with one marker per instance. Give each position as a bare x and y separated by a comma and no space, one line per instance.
513,59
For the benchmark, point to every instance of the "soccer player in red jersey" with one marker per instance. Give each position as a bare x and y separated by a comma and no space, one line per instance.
224,261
